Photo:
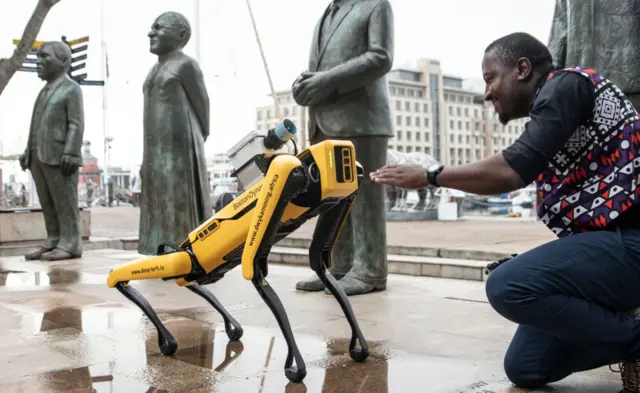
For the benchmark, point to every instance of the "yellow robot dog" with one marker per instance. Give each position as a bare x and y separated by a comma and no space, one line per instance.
282,192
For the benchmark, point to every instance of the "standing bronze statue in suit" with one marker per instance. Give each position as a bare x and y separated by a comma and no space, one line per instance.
603,35
174,197
346,91
54,153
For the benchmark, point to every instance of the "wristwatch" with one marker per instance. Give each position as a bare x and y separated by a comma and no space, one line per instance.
432,172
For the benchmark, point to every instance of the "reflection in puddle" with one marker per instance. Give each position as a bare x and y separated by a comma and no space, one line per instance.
206,360
55,276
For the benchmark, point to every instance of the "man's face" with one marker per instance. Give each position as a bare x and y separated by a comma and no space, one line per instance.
48,65
505,88
163,38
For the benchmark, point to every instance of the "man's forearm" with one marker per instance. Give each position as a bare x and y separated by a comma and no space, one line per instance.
487,177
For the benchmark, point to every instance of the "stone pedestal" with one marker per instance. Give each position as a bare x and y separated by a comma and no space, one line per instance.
27,225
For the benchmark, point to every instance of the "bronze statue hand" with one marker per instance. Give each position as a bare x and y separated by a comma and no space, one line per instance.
23,161
67,165
313,88
402,176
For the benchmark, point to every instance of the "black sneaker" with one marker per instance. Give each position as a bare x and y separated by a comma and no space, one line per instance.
630,370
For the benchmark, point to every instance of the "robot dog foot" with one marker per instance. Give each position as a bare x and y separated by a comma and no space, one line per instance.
167,343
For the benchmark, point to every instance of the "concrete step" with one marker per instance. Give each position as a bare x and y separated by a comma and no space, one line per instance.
461,269
424,251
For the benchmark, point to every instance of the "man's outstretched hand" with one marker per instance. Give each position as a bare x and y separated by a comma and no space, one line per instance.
402,176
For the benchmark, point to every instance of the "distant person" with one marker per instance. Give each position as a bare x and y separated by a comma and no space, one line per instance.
572,297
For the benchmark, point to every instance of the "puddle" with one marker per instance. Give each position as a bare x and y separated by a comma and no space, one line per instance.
53,277
92,379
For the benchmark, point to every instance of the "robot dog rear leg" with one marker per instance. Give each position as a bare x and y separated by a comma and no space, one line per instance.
171,264
232,327
167,343
325,235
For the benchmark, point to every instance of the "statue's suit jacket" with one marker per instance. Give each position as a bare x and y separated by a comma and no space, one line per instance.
357,55
60,127
601,34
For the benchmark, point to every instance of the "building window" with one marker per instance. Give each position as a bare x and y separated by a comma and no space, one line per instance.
398,105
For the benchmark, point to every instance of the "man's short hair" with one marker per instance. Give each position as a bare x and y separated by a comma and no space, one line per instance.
514,46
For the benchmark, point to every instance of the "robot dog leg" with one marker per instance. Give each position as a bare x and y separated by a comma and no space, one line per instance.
167,265
232,327
327,230
283,181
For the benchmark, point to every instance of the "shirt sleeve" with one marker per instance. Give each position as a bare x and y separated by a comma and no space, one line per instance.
564,103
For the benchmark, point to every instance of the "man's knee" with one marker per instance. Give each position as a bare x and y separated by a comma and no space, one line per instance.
520,375
505,292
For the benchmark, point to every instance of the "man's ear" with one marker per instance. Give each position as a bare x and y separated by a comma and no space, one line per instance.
524,69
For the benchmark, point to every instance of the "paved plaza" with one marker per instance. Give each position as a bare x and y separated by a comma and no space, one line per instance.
64,330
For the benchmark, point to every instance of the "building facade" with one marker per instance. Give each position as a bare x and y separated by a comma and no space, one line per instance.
432,113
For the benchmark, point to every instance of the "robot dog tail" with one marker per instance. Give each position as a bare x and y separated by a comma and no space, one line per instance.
171,265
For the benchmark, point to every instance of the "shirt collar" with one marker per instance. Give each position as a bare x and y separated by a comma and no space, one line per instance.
543,79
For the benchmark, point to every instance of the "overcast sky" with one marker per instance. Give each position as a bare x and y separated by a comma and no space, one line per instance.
452,31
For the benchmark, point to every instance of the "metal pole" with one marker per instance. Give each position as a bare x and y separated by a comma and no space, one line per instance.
103,48
264,61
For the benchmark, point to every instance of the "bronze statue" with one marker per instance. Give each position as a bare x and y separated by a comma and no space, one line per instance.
54,153
346,91
603,35
175,194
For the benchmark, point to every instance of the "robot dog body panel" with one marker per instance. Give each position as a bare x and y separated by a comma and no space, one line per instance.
293,190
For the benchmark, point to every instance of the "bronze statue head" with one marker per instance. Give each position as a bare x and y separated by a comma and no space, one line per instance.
170,31
54,59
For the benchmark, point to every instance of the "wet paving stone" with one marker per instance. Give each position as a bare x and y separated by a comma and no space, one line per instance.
64,330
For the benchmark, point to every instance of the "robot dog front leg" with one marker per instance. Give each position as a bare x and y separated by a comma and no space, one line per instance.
283,181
